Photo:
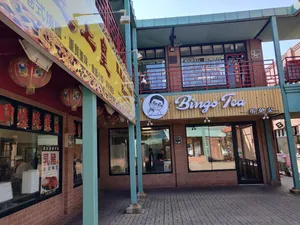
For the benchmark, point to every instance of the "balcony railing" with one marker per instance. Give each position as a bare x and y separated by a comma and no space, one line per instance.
112,27
291,66
207,76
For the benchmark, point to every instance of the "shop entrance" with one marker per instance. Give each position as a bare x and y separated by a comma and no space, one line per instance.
247,157
225,147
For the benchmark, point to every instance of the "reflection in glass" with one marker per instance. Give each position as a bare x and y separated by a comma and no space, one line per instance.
77,164
210,148
248,166
119,151
156,150
21,166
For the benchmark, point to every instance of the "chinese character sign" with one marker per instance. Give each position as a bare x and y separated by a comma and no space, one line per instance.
50,169
76,36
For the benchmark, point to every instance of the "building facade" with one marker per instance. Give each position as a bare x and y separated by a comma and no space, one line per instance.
198,115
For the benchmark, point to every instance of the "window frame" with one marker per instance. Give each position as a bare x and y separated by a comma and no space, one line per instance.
212,54
171,153
165,67
128,161
109,154
232,124
38,197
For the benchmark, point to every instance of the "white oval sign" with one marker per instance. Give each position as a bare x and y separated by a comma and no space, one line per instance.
155,106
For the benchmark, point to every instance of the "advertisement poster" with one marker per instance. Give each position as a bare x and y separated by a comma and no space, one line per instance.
50,169
76,36
203,71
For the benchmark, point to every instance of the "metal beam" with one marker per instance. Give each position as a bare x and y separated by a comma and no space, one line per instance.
137,114
287,117
89,170
133,194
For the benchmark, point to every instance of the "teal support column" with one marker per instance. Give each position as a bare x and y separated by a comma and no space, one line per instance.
89,169
133,194
287,117
270,151
137,115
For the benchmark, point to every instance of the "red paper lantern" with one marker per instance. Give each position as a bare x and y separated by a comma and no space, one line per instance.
71,97
113,119
27,74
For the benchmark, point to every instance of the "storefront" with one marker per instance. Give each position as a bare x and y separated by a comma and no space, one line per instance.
55,81
198,139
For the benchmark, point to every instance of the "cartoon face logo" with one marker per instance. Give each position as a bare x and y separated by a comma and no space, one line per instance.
155,106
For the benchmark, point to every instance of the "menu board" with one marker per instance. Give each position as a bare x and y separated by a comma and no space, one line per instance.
50,169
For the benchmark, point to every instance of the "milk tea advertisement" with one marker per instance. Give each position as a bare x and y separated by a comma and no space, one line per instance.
50,169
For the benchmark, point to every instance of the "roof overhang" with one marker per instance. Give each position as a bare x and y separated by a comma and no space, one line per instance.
222,27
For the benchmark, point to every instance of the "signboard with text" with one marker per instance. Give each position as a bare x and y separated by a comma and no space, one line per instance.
260,103
50,169
78,39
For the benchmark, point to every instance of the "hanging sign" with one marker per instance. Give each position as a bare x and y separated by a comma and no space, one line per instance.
155,106
50,169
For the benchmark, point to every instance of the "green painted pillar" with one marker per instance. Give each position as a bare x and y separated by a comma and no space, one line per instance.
89,169
132,168
137,114
270,151
287,117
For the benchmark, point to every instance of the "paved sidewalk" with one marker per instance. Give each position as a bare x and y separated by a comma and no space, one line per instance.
257,205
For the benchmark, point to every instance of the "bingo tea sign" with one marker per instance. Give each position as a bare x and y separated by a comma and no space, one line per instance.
50,169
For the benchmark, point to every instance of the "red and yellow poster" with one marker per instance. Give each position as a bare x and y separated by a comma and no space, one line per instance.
73,32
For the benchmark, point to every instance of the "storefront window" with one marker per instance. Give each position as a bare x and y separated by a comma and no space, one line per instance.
78,162
119,151
29,167
210,148
156,150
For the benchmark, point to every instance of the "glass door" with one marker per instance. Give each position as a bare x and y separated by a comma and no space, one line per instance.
247,155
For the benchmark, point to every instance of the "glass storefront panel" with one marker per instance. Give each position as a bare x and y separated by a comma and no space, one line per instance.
78,162
119,160
156,150
248,165
210,148
29,167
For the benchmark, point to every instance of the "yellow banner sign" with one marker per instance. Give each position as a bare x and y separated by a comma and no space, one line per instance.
74,33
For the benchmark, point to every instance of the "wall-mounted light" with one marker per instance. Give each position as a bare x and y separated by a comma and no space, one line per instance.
149,123
144,81
265,117
207,120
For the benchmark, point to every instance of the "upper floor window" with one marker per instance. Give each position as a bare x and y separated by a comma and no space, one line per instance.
213,49
153,69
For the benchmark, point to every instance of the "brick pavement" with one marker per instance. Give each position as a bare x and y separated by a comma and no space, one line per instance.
257,205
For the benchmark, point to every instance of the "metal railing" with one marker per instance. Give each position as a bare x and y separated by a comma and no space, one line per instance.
112,27
207,76
291,66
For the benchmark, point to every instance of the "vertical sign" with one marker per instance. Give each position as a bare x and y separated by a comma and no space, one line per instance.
50,169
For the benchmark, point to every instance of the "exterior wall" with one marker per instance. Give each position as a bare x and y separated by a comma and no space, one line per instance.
257,72
181,177
174,71
65,205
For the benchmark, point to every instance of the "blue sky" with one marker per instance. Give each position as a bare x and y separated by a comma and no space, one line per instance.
171,8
